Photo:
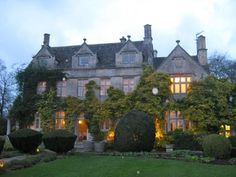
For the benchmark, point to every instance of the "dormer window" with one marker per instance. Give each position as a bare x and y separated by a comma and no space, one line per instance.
84,60
128,58
43,61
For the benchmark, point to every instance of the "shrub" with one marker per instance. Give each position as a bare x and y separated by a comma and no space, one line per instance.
60,141
8,146
135,132
184,140
3,126
232,140
216,146
2,141
25,140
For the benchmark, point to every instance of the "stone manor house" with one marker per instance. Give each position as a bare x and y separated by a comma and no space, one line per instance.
120,65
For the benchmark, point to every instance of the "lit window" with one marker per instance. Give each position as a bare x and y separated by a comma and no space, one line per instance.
60,120
128,58
42,85
175,121
180,84
128,85
61,88
82,87
105,85
83,60
226,130
105,125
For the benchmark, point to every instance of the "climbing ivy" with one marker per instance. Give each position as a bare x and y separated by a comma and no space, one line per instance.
73,108
24,106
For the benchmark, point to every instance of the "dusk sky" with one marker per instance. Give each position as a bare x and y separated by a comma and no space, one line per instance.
23,23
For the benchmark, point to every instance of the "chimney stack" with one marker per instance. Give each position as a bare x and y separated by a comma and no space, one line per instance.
147,33
201,50
46,39
123,39
155,53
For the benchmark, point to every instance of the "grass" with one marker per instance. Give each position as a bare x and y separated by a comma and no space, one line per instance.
85,165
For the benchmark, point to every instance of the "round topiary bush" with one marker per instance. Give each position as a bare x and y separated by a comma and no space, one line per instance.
25,140
184,140
60,141
2,141
135,132
216,146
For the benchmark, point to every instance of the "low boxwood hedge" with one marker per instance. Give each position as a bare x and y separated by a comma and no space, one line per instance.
232,140
60,141
2,141
25,140
185,140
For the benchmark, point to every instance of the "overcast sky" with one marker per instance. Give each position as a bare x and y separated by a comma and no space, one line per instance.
23,23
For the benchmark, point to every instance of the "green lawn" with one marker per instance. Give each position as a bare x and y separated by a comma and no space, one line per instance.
84,165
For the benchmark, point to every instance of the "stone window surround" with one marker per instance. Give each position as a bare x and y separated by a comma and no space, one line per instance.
105,84
180,83
60,120
41,87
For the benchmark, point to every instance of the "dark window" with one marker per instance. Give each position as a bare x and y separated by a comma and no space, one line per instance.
83,60
128,58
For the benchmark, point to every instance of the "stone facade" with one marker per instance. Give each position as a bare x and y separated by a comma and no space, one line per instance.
113,63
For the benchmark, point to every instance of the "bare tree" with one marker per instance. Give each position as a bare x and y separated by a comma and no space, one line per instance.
7,87
222,66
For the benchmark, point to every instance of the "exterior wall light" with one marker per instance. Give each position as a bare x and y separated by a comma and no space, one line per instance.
155,91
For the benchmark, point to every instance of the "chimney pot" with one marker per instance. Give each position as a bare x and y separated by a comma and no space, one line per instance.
123,39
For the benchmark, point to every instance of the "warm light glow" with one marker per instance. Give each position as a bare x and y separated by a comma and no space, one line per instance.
110,135
225,130
80,122
180,84
2,163
159,133
37,150
227,127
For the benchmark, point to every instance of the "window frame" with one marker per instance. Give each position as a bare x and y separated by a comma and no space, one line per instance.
82,87
82,59
128,58
41,87
60,120
61,88
180,84
104,87
129,86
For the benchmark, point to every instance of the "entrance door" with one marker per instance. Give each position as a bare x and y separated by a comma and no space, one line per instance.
81,130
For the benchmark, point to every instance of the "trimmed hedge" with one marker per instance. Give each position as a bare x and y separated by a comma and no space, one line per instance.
2,142
216,146
3,126
232,140
185,140
25,140
60,141
135,132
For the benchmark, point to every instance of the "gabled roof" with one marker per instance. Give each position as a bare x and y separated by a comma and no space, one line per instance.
159,61
105,53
